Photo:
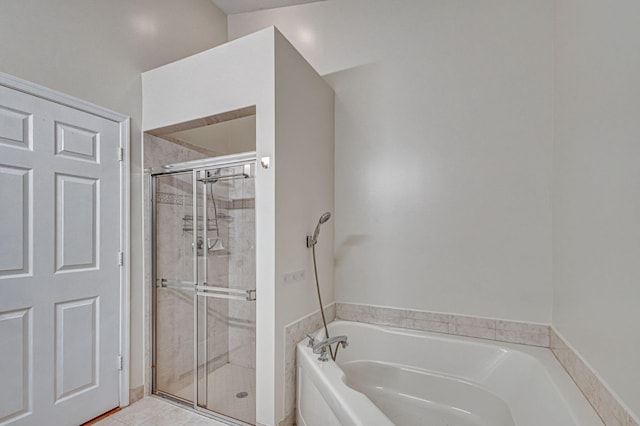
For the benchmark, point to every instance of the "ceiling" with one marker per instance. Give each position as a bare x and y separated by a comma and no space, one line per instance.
231,7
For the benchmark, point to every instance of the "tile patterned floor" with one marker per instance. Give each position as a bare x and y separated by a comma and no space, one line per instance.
224,384
153,411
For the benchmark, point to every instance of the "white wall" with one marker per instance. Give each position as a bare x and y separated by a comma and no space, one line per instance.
304,181
294,128
596,205
96,50
443,118
304,191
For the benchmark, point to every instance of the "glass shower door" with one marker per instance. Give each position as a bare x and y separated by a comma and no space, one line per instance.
225,291
174,276
204,314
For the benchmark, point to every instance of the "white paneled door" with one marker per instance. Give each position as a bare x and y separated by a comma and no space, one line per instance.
60,273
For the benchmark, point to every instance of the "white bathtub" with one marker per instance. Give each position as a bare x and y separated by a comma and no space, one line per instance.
390,376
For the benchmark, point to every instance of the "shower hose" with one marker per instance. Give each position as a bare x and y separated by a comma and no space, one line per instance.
324,320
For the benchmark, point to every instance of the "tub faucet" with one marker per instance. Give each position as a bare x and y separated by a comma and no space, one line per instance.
321,347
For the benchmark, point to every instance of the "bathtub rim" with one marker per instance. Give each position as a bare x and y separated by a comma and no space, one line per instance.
350,406
579,408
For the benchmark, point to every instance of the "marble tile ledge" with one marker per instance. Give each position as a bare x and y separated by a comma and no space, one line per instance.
485,328
606,403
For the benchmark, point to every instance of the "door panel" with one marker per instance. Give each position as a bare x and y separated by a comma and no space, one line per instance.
15,392
76,340
59,270
15,227
15,128
76,142
76,222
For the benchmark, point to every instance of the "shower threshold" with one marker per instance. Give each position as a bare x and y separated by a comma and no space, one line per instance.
225,383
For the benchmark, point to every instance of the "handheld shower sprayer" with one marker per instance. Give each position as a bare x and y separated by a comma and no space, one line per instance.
312,240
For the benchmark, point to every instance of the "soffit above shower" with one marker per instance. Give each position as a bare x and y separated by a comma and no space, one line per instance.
227,137
231,7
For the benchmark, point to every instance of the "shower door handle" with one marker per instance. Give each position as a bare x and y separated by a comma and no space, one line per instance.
226,293
209,290
175,284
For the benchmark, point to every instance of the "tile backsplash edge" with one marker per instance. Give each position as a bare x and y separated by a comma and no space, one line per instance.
607,404
533,334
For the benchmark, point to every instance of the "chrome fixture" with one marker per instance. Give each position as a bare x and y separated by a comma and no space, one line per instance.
215,176
312,240
312,340
215,244
213,162
321,347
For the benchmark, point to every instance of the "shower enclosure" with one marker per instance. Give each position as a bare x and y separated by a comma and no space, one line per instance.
203,263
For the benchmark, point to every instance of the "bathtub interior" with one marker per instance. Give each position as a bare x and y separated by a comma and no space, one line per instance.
429,378
410,396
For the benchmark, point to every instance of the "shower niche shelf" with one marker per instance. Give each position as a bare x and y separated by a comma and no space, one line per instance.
187,224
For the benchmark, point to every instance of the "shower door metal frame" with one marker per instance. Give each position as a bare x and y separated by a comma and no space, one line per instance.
199,289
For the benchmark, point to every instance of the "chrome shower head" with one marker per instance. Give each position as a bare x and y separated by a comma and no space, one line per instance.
313,239
325,217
